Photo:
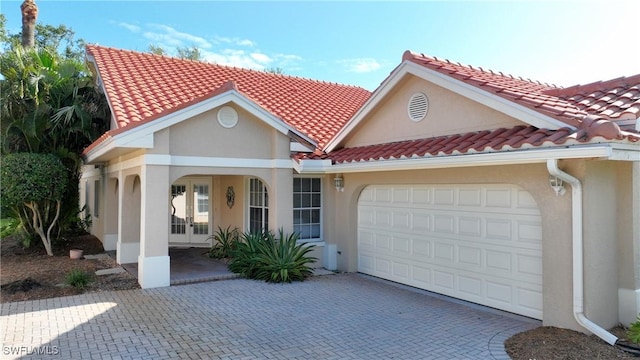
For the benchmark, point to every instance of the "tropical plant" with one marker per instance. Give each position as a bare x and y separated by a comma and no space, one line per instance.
78,279
284,259
243,256
48,104
33,185
224,241
633,333
263,256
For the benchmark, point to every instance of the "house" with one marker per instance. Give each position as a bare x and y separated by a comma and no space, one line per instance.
474,184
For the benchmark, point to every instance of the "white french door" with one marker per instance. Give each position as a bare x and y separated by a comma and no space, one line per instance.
190,211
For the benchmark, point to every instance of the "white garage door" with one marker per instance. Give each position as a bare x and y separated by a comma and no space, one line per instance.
480,243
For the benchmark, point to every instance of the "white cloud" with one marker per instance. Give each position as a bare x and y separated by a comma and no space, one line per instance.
240,58
362,65
234,41
221,50
167,36
261,58
130,27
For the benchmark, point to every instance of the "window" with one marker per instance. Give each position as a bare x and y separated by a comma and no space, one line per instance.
307,208
258,206
86,199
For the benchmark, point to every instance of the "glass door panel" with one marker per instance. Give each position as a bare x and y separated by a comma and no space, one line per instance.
200,205
179,213
190,211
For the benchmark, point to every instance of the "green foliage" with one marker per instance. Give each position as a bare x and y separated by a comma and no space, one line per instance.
633,333
8,227
29,177
78,279
225,241
49,104
189,53
265,257
243,256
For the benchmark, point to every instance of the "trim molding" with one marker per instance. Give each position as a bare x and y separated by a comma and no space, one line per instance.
528,156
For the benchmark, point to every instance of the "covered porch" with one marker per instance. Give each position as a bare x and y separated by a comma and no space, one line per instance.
163,221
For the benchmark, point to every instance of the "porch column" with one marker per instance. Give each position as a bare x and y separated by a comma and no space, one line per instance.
153,262
111,213
281,200
128,243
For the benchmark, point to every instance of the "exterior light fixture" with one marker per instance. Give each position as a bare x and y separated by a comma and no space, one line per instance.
557,185
338,181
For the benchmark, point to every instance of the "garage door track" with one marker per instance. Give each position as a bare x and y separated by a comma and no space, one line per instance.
346,316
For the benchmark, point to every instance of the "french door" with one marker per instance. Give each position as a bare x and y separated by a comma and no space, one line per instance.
190,211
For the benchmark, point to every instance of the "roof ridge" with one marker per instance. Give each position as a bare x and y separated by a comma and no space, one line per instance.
265,72
594,86
412,56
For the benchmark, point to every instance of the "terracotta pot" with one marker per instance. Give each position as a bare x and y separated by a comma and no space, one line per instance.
75,253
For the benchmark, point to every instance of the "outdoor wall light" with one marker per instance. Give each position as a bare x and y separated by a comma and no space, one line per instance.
557,185
338,181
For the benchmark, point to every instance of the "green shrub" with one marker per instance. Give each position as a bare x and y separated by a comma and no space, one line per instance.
633,333
224,242
34,183
243,256
8,227
284,260
265,257
78,279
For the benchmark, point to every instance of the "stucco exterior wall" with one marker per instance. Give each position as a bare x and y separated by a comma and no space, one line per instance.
601,240
341,223
202,135
448,113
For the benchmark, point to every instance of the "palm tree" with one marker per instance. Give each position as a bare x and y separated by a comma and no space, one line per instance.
29,15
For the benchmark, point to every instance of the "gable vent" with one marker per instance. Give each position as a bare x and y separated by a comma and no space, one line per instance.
418,107
227,117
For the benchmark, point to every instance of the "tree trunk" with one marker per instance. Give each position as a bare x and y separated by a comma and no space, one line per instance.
29,15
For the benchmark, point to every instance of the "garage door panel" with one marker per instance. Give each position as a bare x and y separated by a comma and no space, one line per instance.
480,243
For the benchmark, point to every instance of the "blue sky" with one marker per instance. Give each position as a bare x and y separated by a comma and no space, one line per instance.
360,43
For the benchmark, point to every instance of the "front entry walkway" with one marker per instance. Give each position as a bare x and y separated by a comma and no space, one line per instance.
191,265
347,316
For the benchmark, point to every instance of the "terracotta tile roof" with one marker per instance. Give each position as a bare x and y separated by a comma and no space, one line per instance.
602,111
503,139
143,87
617,99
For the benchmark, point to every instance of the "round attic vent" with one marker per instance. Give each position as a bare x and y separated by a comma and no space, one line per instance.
418,107
227,117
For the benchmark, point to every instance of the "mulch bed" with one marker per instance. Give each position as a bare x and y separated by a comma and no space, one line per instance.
29,274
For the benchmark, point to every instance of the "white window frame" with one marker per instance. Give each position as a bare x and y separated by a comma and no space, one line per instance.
264,207
320,208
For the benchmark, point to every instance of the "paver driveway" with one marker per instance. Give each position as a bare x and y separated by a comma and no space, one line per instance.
346,316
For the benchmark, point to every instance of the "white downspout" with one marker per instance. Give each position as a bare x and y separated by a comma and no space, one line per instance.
578,274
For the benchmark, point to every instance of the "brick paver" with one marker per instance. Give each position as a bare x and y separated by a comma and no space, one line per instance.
346,316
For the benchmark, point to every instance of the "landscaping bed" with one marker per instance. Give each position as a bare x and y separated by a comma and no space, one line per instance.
29,274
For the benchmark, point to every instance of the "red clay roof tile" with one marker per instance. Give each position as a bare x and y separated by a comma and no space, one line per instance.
143,87
496,140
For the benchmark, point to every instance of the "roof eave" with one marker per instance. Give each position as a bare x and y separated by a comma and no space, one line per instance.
604,151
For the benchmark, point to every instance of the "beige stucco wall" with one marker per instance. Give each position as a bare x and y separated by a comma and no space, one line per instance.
448,113
202,135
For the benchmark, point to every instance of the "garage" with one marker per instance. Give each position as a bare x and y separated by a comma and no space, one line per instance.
479,243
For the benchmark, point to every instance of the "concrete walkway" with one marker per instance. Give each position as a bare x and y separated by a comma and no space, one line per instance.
347,316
